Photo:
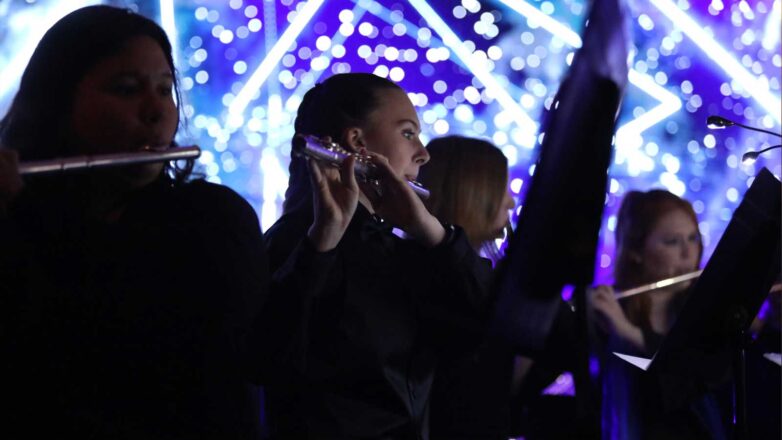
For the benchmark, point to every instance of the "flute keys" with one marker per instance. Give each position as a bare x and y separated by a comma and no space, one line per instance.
375,184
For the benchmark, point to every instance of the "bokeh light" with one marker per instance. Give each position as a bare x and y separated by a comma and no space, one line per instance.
488,69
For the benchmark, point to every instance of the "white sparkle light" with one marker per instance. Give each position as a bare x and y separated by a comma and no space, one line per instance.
546,22
452,41
273,57
721,57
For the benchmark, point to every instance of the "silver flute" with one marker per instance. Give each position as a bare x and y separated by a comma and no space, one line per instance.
658,285
107,160
333,153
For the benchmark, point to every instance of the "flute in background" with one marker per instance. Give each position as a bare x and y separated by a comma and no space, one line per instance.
107,160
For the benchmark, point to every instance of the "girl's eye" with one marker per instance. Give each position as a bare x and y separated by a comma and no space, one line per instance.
166,89
408,135
124,88
671,241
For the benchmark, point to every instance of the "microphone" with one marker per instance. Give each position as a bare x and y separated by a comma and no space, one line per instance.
715,122
751,156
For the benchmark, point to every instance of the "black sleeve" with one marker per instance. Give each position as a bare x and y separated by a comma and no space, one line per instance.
236,258
300,275
20,272
457,305
13,260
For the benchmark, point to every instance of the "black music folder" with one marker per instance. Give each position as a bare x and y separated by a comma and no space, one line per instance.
697,354
555,243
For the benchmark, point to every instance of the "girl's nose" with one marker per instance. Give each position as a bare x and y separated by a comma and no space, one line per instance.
153,107
688,249
422,155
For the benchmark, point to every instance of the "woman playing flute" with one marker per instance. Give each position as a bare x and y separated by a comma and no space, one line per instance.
361,317
657,237
468,181
127,292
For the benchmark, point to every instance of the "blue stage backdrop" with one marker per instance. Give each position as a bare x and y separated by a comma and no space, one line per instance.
476,68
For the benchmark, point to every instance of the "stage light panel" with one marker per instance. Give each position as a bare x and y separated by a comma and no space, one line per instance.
478,68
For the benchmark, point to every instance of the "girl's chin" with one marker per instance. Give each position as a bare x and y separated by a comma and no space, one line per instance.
137,176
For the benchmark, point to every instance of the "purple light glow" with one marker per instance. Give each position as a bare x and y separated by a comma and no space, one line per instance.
476,68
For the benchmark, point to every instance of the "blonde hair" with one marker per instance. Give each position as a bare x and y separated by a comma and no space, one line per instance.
467,179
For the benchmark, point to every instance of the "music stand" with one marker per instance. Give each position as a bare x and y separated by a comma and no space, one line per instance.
557,232
558,228
708,336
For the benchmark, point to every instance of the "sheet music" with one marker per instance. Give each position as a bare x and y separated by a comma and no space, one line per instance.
774,357
642,363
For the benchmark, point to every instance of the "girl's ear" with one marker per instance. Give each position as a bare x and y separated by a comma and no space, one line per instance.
353,139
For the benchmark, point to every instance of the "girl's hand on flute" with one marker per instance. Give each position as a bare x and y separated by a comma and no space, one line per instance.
335,197
610,316
399,204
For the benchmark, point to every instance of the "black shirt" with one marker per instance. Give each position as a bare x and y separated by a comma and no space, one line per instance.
357,332
472,393
135,328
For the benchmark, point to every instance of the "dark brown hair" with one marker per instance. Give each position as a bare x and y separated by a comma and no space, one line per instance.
342,101
36,125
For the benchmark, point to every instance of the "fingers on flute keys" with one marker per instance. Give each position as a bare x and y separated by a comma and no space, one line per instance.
608,313
10,179
335,197
388,192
